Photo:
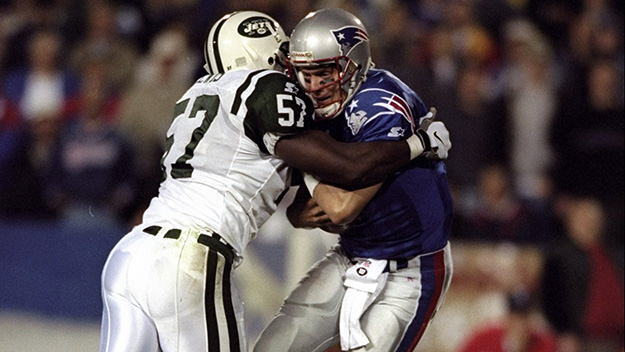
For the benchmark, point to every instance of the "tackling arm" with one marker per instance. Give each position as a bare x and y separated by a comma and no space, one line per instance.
362,164
351,165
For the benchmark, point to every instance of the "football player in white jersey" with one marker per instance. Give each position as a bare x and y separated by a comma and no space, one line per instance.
167,285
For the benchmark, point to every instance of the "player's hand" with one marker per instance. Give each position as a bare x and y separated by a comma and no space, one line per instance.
305,213
434,135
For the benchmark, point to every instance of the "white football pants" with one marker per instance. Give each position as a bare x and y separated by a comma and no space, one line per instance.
309,318
170,291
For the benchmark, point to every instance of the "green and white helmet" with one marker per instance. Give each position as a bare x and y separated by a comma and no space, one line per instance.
245,40
332,37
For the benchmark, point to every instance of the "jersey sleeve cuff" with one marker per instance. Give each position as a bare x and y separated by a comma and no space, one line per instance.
270,140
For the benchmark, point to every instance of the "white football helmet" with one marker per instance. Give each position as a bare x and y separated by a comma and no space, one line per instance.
245,39
332,37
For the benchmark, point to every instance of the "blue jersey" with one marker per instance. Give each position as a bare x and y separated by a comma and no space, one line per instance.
411,214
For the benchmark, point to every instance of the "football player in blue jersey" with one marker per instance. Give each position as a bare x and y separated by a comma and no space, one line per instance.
381,285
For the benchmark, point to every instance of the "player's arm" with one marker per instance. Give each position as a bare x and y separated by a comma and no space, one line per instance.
305,213
283,111
361,164
352,165
330,206
341,206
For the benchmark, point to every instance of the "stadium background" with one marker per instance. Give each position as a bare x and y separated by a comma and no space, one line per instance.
511,78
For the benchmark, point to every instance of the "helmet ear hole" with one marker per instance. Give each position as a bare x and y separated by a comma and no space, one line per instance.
270,61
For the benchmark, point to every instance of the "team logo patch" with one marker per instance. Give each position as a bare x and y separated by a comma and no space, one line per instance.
396,104
256,27
348,37
356,120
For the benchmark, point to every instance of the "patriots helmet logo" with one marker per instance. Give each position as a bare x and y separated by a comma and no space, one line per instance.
348,37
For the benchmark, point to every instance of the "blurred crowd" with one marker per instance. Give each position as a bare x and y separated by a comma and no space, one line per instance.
531,91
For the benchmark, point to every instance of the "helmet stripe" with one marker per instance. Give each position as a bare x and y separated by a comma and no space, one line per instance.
220,66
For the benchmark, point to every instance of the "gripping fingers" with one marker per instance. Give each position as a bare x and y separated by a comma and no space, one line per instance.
434,135
428,118
432,112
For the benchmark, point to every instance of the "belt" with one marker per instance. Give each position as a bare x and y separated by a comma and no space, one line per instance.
211,240
397,264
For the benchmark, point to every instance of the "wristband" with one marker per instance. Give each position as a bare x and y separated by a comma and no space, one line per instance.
416,145
311,182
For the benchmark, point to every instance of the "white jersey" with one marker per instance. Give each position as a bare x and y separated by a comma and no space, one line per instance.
220,173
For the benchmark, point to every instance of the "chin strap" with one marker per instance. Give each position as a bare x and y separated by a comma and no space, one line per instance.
364,281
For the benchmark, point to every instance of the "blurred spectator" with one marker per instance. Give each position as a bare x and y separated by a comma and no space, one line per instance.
128,18
146,112
102,41
9,117
583,282
471,42
520,330
498,215
587,132
93,165
606,17
23,164
462,53
443,61
42,88
474,122
198,14
169,60
494,15
26,168
587,135
529,94
41,93
397,38
402,47
555,18
19,19
607,38
597,33
459,40
430,12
